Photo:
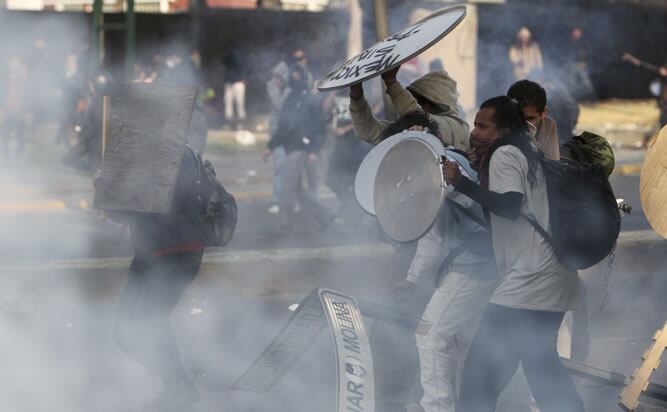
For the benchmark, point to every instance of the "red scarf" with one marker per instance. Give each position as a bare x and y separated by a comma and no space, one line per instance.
483,150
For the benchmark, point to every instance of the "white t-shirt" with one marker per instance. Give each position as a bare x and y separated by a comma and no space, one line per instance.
532,277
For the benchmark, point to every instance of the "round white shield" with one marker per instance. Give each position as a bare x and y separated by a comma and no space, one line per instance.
395,49
409,190
365,179
364,183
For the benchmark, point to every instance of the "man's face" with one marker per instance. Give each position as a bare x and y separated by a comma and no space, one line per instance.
531,115
484,130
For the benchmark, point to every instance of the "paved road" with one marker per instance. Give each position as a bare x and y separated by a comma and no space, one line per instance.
56,323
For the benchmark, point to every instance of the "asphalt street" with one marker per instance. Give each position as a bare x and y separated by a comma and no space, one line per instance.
63,267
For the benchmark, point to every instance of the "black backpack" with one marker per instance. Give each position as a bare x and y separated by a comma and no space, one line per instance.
218,209
583,214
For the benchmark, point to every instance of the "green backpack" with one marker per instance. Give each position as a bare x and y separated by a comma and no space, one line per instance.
590,148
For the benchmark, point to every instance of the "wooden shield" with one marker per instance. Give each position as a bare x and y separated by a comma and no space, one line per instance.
395,49
409,190
653,184
148,129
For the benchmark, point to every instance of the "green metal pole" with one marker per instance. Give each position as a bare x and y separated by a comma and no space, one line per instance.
131,39
98,21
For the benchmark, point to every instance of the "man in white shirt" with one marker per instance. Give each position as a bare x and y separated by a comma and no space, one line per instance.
521,322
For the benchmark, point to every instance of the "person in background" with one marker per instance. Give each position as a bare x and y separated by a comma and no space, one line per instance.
300,131
346,157
525,55
235,91
532,98
581,86
277,89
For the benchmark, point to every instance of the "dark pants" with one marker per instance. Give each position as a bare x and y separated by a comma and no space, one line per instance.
506,337
292,190
142,328
395,356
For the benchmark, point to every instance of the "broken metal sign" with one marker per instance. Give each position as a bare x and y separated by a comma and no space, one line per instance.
296,337
356,386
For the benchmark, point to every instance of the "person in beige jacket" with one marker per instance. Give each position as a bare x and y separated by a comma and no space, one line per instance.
435,93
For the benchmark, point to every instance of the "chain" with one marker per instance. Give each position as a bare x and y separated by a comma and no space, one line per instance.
605,284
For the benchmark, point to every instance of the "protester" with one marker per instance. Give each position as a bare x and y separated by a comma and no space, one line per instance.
525,55
346,157
435,93
522,319
532,98
458,251
300,131
14,117
581,86
168,252
395,354
277,90
299,57
235,90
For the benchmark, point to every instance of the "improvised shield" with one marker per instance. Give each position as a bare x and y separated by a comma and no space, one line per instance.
395,49
653,184
409,190
147,134
365,178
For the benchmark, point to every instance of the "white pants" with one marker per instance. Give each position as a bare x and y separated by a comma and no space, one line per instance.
444,333
235,95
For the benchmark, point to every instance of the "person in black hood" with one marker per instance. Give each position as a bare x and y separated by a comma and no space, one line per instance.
300,131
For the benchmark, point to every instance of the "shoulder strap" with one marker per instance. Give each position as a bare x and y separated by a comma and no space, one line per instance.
540,230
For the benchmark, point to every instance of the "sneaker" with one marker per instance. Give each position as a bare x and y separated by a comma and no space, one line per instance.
273,209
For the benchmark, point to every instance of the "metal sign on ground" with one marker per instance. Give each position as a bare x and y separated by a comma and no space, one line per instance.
287,348
353,353
395,49
356,386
